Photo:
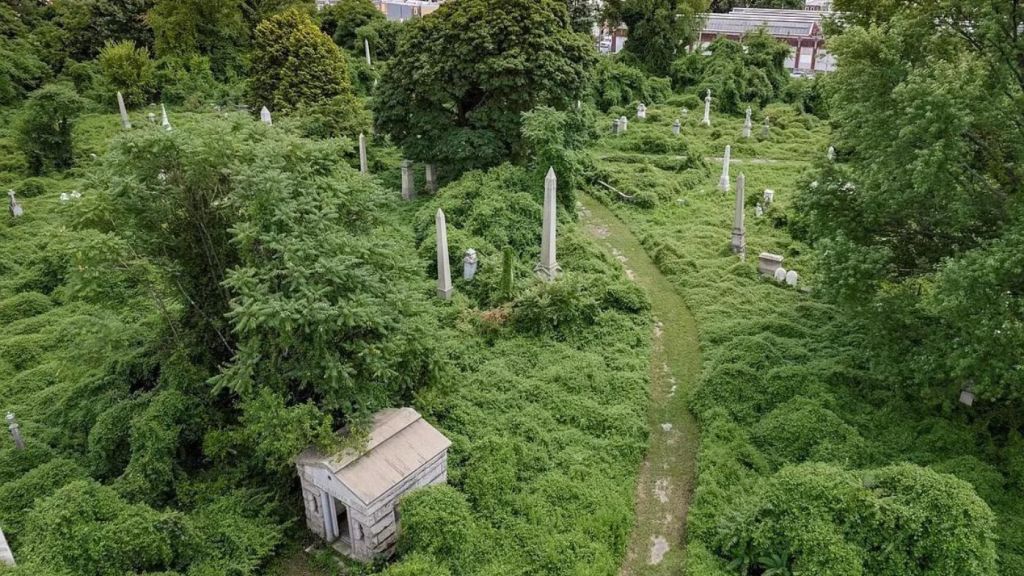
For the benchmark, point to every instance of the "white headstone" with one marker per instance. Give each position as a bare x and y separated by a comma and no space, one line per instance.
364,167
366,46
758,210
831,153
739,225
431,177
769,196
616,127
723,182
748,124
408,185
152,118
707,109
676,127
548,267
469,264
163,119
780,275
125,122
624,124
76,195
64,197
12,425
641,111
444,267
967,398
265,117
14,207
766,129
792,277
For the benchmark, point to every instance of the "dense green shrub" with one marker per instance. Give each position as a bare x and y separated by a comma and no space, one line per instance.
186,80
23,305
128,69
44,130
618,84
426,509
556,307
18,496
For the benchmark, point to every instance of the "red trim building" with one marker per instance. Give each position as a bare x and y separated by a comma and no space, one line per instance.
801,29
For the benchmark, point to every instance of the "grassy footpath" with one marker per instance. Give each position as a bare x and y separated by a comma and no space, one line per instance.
665,485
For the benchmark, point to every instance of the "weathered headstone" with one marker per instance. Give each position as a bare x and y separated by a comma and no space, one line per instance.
739,226
470,261
766,129
408,184
265,117
623,124
64,197
76,195
758,210
364,167
14,207
164,121
548,267
431,176
6,556
366,47
723,182
780,275
831,155
444,267
125,122
768,263
748,124
12,425
616,127
792,277
769,196
707,109
967,397
641,111
151,117
676,127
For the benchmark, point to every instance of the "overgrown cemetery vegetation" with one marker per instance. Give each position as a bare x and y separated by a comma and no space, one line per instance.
186,307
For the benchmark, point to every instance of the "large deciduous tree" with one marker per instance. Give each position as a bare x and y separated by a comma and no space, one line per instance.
659,30
295,64
916,221
212,28
342,19
455,91
44,130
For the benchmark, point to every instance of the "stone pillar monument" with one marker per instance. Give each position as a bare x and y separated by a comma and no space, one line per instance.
707,109
364,167
431,176
548,267
408,185
125,122
470,261
723,182
366,46
265,117
163,119
676,127
14,207
12,425
444,267
739,227
748,124
831,154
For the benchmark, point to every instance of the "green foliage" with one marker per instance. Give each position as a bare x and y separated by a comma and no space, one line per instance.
735,73
341,116
18,496
557,307
508,278
455,91
186,80
556,141
21,68
618,84
44,130
129,70
294,64
85,26
342,20
383,35
438,506
212,28
658,29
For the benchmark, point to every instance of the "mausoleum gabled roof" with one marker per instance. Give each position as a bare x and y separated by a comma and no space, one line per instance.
400,443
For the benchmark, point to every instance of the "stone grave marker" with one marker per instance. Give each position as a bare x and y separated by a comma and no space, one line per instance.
707,109
768,264
163,119
470,261
739,226
125,122
431,176
780,275
676,127
723,182
792,277
364,167
748,124
444,267
14,206
641,111
408,184
265,117
548,267
769,196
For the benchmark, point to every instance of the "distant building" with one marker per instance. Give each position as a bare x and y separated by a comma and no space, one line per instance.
399,10
818,5
801,29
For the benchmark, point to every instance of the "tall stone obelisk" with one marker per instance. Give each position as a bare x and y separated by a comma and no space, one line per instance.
444,267
723,182
548,267
739,226
125,122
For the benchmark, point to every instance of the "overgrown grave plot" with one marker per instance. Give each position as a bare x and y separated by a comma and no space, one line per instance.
785,397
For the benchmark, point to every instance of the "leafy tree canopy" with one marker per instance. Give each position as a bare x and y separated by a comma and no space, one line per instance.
658,29
213,28
293,64
128,69
341,20
44,131
456,89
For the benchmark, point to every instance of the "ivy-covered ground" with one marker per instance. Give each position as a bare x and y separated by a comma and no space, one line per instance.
806,460
544,395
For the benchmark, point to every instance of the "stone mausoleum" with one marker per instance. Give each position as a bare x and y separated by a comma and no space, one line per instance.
351,498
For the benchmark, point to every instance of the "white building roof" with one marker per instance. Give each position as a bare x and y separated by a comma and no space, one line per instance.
778,23
400,443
